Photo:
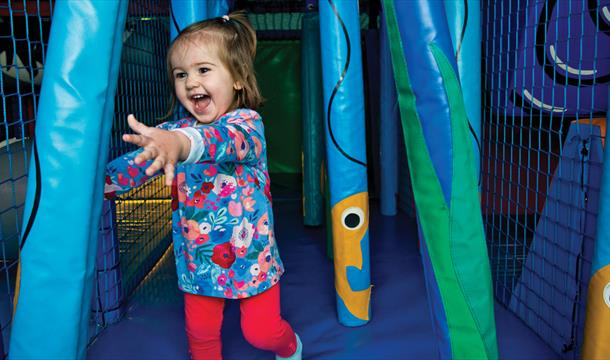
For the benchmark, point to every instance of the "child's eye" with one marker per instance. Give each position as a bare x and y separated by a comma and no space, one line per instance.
180,75
203,70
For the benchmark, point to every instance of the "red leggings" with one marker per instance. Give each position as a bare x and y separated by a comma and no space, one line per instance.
261,324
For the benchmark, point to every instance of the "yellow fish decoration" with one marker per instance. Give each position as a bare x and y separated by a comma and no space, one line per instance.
350,219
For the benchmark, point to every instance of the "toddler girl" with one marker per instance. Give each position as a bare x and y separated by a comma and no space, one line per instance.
216,162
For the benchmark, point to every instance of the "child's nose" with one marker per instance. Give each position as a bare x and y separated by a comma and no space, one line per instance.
191,83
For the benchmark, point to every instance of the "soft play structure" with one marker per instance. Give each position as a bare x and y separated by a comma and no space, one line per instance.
370,105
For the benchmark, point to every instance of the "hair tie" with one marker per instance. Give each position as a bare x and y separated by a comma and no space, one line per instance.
225,18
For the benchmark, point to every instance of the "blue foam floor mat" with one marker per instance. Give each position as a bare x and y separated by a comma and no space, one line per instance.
153,327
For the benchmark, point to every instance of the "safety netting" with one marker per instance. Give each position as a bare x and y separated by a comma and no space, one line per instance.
546,66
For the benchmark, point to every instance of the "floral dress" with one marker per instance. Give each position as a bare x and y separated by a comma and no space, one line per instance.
221,208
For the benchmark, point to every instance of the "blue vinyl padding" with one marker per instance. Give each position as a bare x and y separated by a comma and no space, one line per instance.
442,345
400,329
63,202
464,20
555,275
347,110
344,123
420,23
186,12
388,128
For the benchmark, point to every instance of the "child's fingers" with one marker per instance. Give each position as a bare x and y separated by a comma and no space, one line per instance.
135,125
157,165
147,154
138,140
169,173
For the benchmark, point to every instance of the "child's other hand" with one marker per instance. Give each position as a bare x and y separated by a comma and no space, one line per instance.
164,147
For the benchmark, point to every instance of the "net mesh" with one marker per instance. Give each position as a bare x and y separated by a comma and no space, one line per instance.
24,29
545,64
143,214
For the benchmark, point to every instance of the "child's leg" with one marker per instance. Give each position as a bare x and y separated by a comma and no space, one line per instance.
263,325
203,315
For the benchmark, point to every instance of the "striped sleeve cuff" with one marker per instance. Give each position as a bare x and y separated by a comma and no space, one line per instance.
197,146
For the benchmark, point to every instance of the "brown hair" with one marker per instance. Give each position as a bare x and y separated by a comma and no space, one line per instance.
235,40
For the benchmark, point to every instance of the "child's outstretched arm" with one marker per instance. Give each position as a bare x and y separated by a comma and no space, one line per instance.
240,139
122,174
165,148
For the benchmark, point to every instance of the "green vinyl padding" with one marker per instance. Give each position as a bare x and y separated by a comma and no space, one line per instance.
278,70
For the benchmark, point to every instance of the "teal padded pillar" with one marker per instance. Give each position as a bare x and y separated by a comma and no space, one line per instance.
312,110
64,198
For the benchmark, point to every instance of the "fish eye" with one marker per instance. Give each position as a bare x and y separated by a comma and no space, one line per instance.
352,218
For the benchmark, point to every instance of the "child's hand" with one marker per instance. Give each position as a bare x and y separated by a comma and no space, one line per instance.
166,148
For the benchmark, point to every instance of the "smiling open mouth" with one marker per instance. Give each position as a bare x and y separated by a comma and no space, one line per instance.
200,102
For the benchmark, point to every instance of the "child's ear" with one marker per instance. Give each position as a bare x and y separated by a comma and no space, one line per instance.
237,86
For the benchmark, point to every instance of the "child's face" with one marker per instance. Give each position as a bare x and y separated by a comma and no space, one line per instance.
203,84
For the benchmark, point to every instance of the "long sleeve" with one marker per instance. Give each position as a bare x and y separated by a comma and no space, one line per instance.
122,174
238,137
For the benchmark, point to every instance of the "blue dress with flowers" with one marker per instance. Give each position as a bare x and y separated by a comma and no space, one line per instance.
222,219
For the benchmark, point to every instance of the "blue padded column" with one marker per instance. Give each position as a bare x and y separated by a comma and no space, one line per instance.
217,8
185,12
346,157
464,20
64,197
388,130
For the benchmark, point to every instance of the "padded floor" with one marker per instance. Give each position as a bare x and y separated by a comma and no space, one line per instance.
400,327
